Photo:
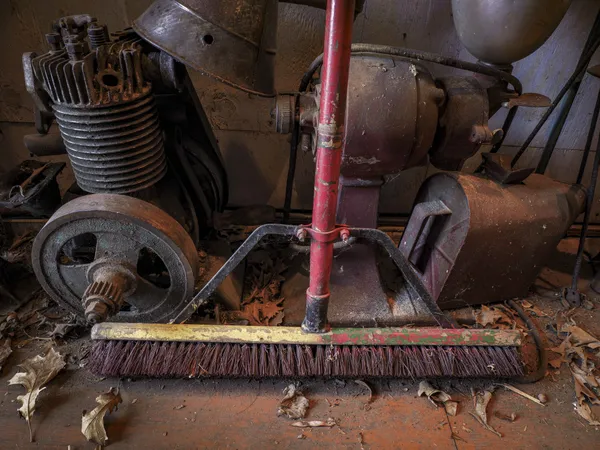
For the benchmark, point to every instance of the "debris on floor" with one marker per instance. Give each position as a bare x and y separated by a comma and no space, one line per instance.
580,351
38,371
262,302
5,351
294,404
481,399
40,322
369,390
92,423
531,308
523,394
507,418
438,398
497,316
314,423
19,252
61,330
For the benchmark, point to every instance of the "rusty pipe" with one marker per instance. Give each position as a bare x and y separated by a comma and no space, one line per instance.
332,112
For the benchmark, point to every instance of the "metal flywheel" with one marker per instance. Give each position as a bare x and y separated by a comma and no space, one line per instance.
118,258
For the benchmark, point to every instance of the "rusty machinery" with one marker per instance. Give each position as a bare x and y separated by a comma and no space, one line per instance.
149,174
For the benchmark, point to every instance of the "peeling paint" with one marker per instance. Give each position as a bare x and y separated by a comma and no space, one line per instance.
363,160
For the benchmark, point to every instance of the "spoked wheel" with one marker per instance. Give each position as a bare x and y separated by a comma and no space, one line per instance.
107,256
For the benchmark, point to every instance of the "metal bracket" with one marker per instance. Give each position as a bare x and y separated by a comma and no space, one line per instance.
497,166
409,272
339,232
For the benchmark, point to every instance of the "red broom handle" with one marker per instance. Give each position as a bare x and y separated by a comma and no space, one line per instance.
332,113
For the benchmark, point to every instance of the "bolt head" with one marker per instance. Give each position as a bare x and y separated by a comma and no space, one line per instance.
96,312
53,38
301,234
74,46
345,235
480,134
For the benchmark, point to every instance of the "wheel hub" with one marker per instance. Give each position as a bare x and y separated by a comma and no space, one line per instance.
110,283
112,256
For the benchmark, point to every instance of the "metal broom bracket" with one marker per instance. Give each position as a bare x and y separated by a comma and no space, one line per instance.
339,232
368,234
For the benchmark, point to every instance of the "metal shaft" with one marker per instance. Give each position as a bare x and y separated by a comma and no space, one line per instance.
589,201
334,87
588,142
567,103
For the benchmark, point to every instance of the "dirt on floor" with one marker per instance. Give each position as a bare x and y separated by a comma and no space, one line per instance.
240,414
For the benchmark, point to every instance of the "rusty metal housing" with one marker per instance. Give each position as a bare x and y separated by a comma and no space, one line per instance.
495,240
391,118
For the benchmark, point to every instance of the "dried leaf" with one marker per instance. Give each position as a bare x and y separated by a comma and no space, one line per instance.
92,423
494,317
564,319
525,304
5,351
533,309
438,398
579,337
39,370
451,407
562,349
270,309
506,417
584,411
367,387
574,350
434,395
251,313
294,404
264,280
556,363
481,402
586,385
314,423
257,313
277,319
62,329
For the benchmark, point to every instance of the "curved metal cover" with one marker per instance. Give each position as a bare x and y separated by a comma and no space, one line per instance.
233,41
391,116
497,239
504,31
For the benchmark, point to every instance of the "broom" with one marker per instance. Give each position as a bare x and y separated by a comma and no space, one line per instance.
195,351
314,350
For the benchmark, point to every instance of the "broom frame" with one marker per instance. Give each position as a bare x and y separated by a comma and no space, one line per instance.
372,235
239,334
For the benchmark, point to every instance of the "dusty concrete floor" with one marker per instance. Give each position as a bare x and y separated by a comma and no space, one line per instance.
242,414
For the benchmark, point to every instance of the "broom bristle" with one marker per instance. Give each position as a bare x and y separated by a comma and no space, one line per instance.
196,360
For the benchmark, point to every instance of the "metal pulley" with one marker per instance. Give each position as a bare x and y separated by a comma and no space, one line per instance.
115,257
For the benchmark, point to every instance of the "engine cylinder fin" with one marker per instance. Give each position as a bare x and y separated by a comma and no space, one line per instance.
117,148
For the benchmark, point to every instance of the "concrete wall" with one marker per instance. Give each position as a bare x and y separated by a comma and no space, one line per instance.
255,156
